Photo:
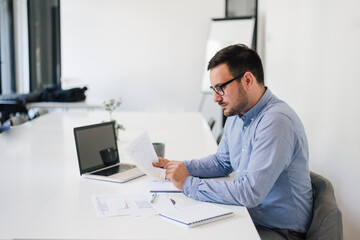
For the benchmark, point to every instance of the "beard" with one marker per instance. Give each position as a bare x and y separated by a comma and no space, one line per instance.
238,107
228,112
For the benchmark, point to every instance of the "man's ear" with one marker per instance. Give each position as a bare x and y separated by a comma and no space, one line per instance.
249,80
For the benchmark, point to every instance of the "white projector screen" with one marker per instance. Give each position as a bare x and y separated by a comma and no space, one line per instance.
224,33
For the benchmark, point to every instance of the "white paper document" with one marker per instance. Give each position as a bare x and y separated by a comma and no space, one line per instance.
163,203
142,153
163,187
110,205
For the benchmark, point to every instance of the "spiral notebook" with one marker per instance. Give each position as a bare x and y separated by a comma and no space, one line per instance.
197,214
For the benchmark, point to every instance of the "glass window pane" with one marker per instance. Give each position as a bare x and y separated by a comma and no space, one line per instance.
44,41
241,8
7,66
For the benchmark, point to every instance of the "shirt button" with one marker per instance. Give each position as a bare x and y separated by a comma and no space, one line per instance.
245,127
189,195
252,119
237,171
243,149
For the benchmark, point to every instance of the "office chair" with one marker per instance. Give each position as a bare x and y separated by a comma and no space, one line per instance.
218,139
9,109
327,219
211,123
17,120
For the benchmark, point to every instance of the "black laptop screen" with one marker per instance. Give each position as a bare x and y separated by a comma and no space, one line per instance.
96,146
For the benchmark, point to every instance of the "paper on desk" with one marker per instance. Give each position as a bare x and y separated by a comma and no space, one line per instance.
163,203
142,152
164,187
110,205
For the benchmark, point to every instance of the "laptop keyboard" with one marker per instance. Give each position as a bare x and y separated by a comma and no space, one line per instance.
117,169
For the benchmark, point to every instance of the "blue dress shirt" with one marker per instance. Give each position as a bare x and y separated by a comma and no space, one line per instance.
268,152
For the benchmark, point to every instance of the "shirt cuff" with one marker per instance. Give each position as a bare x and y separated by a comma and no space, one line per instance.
190,186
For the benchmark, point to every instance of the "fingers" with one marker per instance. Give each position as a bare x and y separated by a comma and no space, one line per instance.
172,164
176,172
161,163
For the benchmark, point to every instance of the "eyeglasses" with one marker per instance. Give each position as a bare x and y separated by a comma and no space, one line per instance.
219,89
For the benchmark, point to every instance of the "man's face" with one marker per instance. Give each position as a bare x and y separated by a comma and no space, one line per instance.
235,101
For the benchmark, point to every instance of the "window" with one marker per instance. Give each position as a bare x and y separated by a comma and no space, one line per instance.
243,9
7,64
44,43
29,45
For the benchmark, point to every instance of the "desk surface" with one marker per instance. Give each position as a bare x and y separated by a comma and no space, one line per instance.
43,195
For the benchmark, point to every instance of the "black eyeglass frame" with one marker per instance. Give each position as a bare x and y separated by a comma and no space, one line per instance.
219,89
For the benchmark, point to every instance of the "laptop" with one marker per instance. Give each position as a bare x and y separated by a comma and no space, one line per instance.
98,154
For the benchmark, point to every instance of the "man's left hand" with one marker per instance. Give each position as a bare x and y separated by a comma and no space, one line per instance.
176,172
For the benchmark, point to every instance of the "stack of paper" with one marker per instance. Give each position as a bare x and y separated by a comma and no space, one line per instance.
165,187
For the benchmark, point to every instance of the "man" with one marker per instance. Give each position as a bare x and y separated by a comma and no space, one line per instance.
264,144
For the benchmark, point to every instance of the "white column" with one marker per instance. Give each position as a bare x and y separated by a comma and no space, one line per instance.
21,39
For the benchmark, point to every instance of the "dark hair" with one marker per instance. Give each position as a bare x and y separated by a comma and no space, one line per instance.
239,59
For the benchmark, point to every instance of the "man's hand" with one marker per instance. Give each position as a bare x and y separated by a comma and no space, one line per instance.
176,171
161,163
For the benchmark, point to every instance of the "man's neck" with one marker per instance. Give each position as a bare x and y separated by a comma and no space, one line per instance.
255,99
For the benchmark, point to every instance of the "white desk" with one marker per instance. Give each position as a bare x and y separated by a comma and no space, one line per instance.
43,196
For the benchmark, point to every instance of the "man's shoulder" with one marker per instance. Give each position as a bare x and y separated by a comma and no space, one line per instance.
277,108
280,115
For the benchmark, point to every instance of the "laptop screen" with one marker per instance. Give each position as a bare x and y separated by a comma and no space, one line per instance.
96,146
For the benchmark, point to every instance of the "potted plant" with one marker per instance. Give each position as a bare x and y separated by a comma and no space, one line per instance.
110,105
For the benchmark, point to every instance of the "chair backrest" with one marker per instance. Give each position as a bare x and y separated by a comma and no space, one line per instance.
327,219
218,139
17,120
211,123
9,108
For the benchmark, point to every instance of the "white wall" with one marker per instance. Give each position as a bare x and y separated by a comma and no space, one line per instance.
311,55
149,53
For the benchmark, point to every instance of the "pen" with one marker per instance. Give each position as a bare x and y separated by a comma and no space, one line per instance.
153,196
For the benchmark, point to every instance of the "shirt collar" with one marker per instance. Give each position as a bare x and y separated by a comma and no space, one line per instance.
254,111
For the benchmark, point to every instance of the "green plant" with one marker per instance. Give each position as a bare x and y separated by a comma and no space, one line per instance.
110,105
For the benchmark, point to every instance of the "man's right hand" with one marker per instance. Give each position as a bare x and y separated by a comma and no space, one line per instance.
161,163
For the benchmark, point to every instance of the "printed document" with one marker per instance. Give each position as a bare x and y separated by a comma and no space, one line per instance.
164,187
110,205
142,152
